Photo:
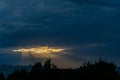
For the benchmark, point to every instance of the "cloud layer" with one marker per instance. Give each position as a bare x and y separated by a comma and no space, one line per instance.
90,28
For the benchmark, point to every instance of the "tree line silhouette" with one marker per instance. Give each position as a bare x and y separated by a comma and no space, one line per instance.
100,70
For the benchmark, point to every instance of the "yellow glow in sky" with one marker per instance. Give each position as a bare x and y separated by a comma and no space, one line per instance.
44,51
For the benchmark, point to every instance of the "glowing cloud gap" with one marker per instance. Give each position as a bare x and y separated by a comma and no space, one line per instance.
44,51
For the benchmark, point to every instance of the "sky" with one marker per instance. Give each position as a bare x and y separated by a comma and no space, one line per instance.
88,30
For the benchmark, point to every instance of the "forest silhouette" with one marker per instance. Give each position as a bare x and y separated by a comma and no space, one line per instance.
100,70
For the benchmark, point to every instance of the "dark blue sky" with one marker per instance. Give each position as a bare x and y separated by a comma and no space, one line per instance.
89,28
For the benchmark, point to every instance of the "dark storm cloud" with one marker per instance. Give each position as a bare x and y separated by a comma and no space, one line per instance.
107,3
91,29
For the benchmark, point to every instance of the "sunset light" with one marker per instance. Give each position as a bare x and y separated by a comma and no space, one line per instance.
43,51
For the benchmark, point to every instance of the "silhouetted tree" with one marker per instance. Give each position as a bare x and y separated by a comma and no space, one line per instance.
100,70
35,73
53,66
2,76
47,64
18,75
36,67
106,70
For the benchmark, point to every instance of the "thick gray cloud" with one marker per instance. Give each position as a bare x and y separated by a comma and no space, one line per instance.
89,27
